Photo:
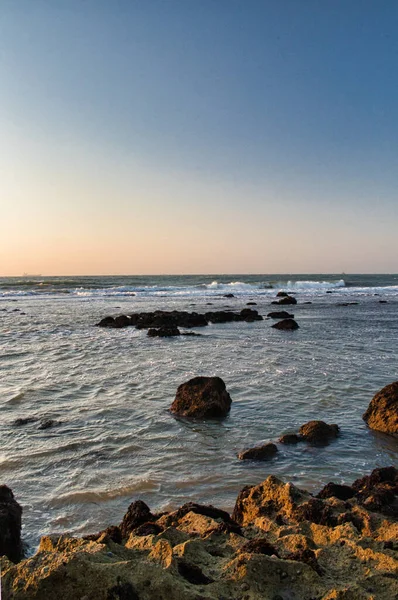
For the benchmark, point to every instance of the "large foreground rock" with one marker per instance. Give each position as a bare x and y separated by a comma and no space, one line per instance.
281,543
10,525
202,398
382,412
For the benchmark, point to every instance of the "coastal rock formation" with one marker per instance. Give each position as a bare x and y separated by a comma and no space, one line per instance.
10,525
382,412
281,542
202,398
259,453
286,325
318,432
162,319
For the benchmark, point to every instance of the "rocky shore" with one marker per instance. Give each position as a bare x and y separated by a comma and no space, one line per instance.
280,543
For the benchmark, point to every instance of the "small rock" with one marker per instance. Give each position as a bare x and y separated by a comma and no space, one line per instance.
318,432
290,438
286,325
202,398
259,453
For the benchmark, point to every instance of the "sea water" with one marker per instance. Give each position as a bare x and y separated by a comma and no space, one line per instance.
110,391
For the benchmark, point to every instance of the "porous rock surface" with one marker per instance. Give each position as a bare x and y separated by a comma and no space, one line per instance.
382,412
202,398
281,543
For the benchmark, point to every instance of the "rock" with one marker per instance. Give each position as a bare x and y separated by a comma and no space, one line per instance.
290,438
342,492
280,314
346,303
259,453
286,300
318,432
382,412
282,295
48,423
10,525
383,301
259,546
164,332
229,296
379,491
202,398
286,325
221,316
251,303
250,315
137,514
24,421
106,322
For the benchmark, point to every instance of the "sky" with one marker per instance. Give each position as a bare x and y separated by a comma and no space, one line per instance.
198,136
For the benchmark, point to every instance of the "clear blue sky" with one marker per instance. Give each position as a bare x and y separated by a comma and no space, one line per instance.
198,136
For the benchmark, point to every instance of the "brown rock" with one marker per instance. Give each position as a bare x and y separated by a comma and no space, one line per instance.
259,453
382,412
318,432
202,398
290,438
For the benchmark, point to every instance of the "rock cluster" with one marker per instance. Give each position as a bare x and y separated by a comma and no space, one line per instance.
170,320
280,543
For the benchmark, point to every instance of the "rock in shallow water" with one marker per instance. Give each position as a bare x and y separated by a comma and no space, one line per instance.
318,432
382,412
202,398
259,453
286,325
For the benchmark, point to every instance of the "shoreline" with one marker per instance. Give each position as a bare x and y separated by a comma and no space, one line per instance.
281,543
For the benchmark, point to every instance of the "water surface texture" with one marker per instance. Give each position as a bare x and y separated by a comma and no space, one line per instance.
111,390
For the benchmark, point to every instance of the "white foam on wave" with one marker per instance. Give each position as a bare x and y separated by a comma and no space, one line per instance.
314,285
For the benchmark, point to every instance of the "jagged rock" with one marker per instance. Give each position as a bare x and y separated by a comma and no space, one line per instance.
280,314
10,525
286,325
318,432
164,332
382,412
202,398
137,514
259,453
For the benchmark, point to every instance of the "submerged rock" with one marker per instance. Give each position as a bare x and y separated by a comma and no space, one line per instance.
24,421
318,432
286,325
280,314
259,453
382,412
202,398
10,525
164,332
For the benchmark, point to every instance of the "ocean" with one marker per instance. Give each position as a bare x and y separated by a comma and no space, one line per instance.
109,391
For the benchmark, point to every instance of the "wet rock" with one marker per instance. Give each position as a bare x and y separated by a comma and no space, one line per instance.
164,332
106,322
318,432
382,412
48,423
251,303
280,314
10,525
290,438
342,492
137,513
346,303
191,334
250,315
221,316
24,421
202,398
259,453
285,300
286,325
282,295
229,296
